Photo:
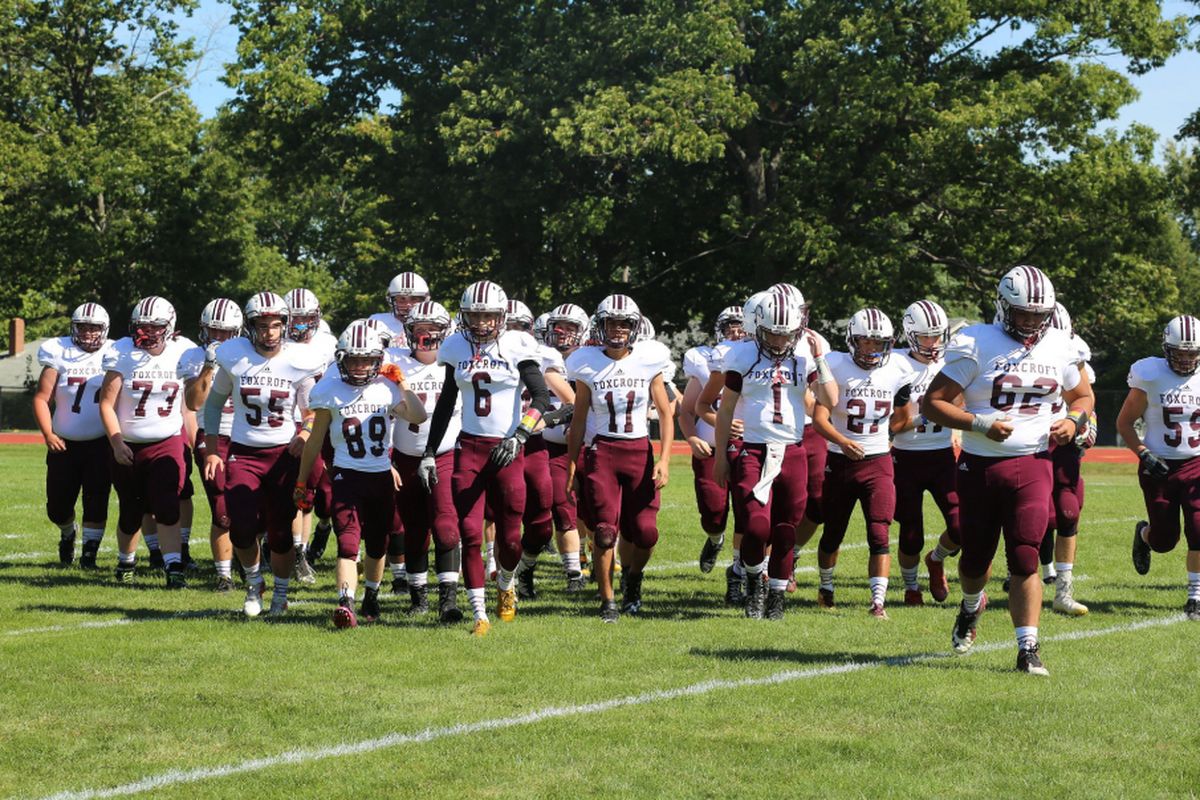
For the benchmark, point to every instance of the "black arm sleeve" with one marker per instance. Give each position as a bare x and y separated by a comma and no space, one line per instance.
903,395
442,412
531,376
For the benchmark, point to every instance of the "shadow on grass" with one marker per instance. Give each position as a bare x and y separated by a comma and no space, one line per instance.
825,657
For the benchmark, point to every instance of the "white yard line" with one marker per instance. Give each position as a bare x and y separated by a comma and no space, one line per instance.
307,755
111,623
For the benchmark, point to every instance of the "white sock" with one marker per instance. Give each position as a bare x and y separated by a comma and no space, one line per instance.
281,586
344,593
185,535
940,553
717,539
1049,571
571,563
972,601
1063,566
529,559
418,579
754,570
491,549
777,584
151,541
224,568
372,585
93,534
171,558
67,530
878,590
297,541
910,577
505,579
447,577
253,574
738,567
826,578
1194,586
126,559
1026,636
478,603
400,570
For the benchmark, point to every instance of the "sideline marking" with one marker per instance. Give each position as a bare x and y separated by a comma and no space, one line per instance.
304,755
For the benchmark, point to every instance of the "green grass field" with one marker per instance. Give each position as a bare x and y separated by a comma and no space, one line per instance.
111,690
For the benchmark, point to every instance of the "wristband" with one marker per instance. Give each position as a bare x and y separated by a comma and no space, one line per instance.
307,427
824,374
1080,419
982,423
530,420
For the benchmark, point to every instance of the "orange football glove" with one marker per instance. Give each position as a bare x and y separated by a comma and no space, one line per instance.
392,373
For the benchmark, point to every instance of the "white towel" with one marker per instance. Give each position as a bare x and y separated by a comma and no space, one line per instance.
772,466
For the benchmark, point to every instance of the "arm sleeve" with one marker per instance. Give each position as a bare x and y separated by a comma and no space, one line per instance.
303,392
442,412
217,396
962,371
903,395
531,376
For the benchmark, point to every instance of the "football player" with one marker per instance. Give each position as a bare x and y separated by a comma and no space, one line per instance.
1011,375
539,490
77,451
1165,394
712,500
769,376
923,457
405,291
356,404
872,387
566,329
615,382
220,321
425,514
142,410
489,365
267,376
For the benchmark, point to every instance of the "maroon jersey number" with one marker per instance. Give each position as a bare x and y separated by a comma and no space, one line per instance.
1008,389
78,383
630,399
1175,437
483,398
352,432
254,411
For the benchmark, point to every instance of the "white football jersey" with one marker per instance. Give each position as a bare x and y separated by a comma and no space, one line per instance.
1083,354
389,321
696,365
189,368
77,388
323,346
150,405
997,373
823,348
772,396
1173,410
865,400
425,381
927,436
620,389
489,380
360,429
263,389
551,361
716,363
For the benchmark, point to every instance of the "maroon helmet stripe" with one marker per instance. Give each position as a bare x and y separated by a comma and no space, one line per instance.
928,313
1187,328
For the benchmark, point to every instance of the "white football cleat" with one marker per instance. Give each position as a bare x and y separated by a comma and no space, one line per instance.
253,604
1064,596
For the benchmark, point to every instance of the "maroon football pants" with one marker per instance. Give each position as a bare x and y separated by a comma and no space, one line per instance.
84,466
774,521
917,472
475,479
1003,495
620,487
868,482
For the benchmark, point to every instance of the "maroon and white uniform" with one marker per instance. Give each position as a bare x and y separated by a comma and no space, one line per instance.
769,466
1067,495
539,487
716,363
712,501
189,367
866,399
924,461
814,445
422,513
260,472
84,465
394,326
149,410
619,462
1172,433
489,381
322,346
360,430
563,508
1007,485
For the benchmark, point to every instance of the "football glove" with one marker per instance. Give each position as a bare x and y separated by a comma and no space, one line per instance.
1154,466
559,416
210,357
506,451
427,472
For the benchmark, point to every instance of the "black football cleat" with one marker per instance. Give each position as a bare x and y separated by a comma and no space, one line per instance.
631,593
66,549
576,582
775,603
156,559
735,588
709,553
526,589
369,610
318,541
175,577
608,611
448,610
1029,661
419,597
756,596
1141,550
87,558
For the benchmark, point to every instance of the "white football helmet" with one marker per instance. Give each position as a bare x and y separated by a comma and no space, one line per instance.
91,314
479,299
781,315
618,308
567,327
730,324
385,333
796,296
748,311
869,325
262,306
221,319
304,314
1061,319
427,313
359,340
926,318
519,317
646,330
152,322
1181,344
539,327
1025,288
323,327
405,291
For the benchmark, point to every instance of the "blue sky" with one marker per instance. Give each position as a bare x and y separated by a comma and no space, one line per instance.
1168,95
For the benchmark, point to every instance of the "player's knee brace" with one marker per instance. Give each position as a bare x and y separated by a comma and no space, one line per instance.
605,536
